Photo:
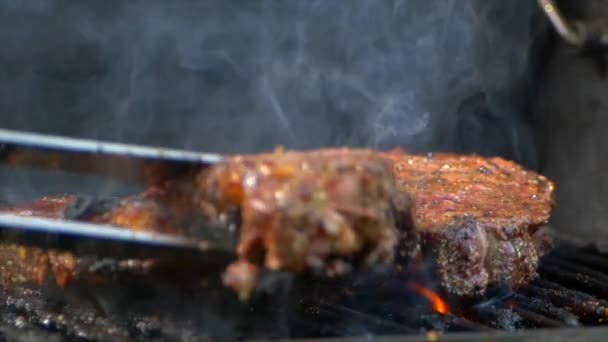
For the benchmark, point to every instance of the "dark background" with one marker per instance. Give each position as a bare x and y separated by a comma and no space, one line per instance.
571,111
243,76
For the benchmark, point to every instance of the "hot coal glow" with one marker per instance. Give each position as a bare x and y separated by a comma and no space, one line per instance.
439,305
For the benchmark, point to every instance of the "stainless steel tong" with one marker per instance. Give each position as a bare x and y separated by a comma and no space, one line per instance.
584,35
127,162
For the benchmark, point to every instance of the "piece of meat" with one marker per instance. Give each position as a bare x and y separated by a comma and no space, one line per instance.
322,211
478,214
168,208
317,211
32,265
52,207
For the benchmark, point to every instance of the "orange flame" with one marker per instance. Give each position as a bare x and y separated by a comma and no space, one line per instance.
439,304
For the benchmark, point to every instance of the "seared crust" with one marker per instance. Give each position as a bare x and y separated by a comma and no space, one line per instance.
478,214
446,186
472,255
52,207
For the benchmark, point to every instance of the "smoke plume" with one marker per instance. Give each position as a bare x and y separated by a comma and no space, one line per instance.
244,76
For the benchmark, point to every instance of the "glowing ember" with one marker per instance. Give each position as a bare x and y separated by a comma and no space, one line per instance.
439,304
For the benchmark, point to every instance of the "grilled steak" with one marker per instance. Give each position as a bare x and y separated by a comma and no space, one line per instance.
478,214
327,209
321,211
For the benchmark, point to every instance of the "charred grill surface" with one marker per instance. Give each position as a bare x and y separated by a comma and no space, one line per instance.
551,301
150,308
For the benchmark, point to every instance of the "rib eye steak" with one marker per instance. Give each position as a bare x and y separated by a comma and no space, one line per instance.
478,214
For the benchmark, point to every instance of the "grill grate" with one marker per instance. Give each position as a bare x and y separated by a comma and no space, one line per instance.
570,293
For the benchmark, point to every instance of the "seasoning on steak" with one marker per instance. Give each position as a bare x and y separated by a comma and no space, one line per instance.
322,211
479,215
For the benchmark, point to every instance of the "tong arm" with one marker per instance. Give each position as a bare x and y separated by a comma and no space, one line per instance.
123,161
584,35
106,240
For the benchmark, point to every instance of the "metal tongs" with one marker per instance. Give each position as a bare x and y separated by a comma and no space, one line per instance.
589,36
584,35
127,162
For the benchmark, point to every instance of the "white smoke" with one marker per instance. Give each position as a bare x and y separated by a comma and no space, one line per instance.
244,76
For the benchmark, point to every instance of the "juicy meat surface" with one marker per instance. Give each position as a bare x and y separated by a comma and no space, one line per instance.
448,186
479,214
317,210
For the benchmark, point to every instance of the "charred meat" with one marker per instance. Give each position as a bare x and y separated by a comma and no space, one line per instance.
478,214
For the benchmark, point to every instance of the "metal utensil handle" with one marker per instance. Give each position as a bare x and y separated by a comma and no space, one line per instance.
123,161
100,240
577,33
76,145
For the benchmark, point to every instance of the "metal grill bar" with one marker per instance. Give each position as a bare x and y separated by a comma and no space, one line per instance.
561,298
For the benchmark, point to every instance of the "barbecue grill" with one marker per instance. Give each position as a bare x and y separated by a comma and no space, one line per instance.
183,298
568,299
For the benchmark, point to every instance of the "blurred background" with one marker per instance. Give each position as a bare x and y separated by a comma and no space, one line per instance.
483,76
